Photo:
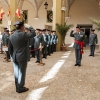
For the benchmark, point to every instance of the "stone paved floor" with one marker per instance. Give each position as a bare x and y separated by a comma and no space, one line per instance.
70,83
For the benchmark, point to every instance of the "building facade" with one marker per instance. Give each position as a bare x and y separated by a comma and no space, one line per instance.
78,13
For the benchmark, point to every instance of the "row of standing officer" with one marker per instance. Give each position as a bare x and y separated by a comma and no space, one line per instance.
48,39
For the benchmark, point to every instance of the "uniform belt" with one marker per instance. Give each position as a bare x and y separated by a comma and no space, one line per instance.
81,46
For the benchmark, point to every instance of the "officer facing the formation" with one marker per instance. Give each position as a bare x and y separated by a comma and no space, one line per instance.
93,40
79,43
19,51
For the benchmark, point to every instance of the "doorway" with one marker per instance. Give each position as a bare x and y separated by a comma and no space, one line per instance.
86,28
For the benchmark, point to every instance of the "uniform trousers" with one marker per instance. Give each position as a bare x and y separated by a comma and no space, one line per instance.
44,51
20,73
49,49
78,56
37,53
92,50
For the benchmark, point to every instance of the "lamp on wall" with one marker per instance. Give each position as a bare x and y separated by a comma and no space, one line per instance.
46,4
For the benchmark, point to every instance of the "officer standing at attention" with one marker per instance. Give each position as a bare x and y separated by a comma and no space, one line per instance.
44,43
37,41
79,43
93,40
19,51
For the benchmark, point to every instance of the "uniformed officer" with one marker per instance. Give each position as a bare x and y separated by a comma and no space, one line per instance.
6,41
52,42
37,41
49,38
19,51
44,43
3,38
93,40
55,40
79,43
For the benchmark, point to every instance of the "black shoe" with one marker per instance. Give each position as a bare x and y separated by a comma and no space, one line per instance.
37,62
75,64
79,65
90,55
23,89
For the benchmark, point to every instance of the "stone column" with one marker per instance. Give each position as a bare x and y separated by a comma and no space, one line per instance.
13,7
57,18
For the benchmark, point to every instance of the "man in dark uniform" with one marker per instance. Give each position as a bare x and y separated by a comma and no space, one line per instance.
3,37
37,41
19,51
93,40
52,43
55,40
79,43
44,43
6,41
49,38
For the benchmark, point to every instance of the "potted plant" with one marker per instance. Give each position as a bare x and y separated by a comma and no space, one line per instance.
63,29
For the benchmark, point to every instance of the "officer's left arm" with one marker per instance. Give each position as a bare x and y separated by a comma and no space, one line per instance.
30,34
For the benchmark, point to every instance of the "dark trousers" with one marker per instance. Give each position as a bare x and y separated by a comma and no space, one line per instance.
54,47
44,52
37,53
7,55
49,49
78,56
32,52
20,73
92,50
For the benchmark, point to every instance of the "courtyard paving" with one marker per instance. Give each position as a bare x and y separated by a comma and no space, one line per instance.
59,79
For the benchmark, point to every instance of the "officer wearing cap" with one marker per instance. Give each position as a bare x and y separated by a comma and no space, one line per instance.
55,40
93,40
37,41
3,36
19,51
49,39
44,43
79,43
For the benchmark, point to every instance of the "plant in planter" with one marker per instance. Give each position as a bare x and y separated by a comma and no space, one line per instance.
63,29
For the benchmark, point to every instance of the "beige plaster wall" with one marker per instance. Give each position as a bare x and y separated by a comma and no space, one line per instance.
41,22
80,13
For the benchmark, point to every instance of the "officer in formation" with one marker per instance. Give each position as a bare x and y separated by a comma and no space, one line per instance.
47,38
36,43
5,43
79,43
19,52
93,40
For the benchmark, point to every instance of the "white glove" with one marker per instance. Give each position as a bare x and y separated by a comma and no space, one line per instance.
47,45
26,25
73,29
